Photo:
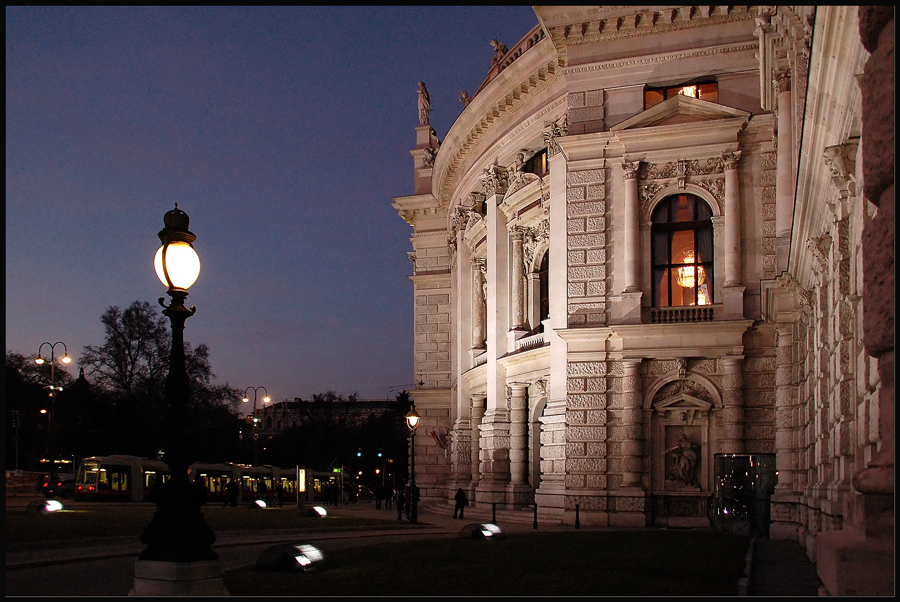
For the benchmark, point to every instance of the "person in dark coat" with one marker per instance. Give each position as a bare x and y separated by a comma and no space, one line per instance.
232,492
398,502
461,502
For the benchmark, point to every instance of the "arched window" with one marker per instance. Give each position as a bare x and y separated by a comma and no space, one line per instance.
682,252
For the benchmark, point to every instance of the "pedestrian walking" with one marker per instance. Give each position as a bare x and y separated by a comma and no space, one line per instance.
261,490
461,502
279,494
398,502
232,492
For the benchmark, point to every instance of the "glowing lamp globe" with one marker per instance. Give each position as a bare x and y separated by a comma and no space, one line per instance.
412,419
177,265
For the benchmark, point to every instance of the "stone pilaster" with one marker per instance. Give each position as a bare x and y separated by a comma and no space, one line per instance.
478,304
518,432
733,402
784,178
785,518
632,423
631,246
477,405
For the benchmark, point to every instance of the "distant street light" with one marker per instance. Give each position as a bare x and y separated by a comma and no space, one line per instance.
51,421
265,400
178,534
412,421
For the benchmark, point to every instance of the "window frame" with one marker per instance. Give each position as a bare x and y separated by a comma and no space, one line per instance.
663,231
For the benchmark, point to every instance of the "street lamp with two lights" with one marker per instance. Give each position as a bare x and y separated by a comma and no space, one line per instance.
51,422
265,400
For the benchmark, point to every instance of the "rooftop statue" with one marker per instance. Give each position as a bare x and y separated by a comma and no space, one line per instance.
424,104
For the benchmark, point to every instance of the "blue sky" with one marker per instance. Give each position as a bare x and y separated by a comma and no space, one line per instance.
283,132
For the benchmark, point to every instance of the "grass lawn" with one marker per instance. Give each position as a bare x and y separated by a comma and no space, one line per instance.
604,563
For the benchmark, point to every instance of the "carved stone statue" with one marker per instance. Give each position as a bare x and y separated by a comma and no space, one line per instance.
500,51
465,98
424,104
685,455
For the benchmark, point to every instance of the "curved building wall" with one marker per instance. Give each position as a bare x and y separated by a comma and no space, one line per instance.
641,246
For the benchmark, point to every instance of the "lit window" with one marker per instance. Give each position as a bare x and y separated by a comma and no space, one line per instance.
704,91
537,164
682,252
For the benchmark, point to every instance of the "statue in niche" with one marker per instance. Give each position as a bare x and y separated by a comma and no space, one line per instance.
684,455
424,104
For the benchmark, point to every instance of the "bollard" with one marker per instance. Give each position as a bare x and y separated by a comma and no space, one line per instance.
535,516
494,512
577,518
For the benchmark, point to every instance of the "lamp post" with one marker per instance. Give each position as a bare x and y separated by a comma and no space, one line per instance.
255,419
412,421
178,533
51,422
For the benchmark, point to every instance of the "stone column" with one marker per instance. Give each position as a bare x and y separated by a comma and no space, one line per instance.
784,174
518,278
477,416
733,402
732,220
631,239
518,432
632,421
478,304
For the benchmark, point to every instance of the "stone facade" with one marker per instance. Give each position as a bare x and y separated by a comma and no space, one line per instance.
654,237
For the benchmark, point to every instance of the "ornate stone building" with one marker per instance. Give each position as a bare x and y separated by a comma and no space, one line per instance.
656,237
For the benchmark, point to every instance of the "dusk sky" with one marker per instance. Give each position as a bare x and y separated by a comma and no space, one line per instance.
283,133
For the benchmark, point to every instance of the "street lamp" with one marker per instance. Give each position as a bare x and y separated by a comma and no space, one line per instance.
177,534
39,360
412,421
265,400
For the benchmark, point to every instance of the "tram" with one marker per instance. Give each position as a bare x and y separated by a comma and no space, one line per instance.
122,478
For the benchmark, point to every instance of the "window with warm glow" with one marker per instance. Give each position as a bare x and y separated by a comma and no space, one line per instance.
704,91
682,252
544,291
538,164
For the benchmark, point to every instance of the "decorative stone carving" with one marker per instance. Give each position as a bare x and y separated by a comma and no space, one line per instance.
495,180
682,460
554,131
424,104
730,160
820,246
631,169
534,236
517,177
841,162
782,81
428,157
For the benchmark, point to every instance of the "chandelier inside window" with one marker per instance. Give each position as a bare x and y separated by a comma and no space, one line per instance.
685,275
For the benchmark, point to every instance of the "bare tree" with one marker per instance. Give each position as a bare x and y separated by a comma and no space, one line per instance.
135,353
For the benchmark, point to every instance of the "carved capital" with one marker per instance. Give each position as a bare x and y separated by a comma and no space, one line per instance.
731,160
495,180
631,169
554,131
782,81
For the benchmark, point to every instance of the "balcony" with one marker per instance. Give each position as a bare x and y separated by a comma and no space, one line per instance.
681,315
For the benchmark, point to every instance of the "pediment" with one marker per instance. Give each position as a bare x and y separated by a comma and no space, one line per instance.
680,110
682,402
